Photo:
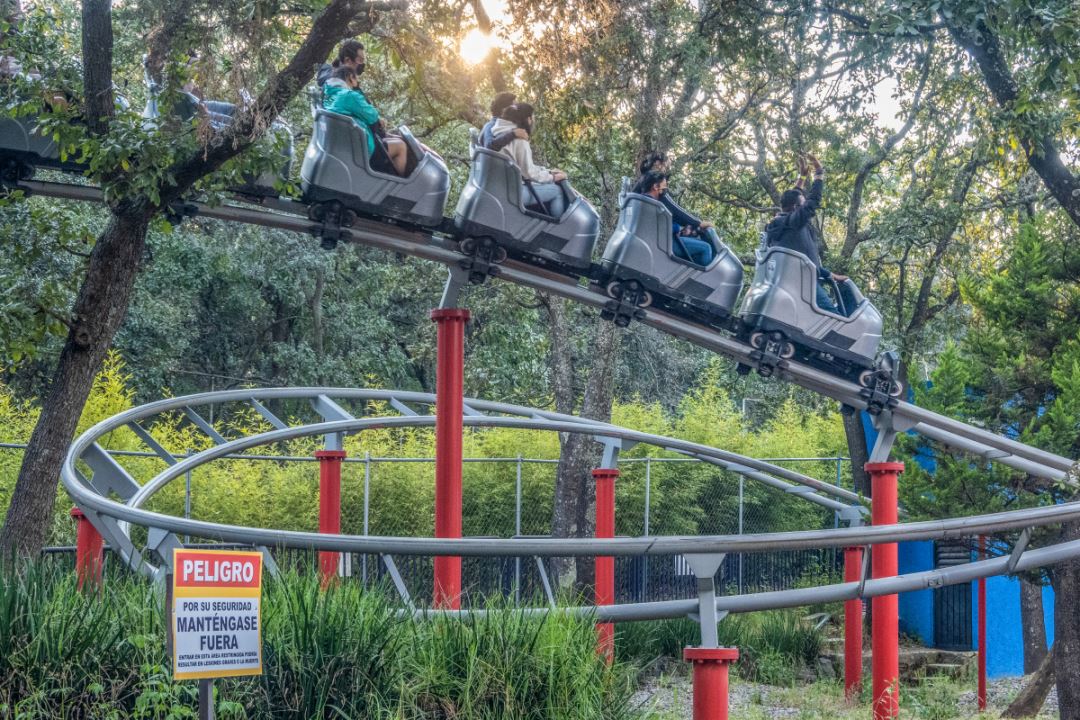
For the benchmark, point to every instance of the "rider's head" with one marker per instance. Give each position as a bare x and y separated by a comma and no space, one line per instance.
521,114
791,199
653,183
346,74
655,160
500,102
351,54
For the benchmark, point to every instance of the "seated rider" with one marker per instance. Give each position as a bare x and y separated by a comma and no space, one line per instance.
661,163
487,138
684,241
544,193
342,95
791,229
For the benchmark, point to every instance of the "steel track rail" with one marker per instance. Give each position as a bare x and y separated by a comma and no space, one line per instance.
545,547
427,246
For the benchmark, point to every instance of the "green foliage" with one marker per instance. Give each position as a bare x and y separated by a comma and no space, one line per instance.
773,646
686,498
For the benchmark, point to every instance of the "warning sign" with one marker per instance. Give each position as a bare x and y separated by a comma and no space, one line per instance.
216,613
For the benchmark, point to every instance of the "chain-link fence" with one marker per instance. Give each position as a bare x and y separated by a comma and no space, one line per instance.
513,497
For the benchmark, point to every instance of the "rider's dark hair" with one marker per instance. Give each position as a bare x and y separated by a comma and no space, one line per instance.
790,199
348,51
343,72
519,114
500,102
648,181
649,160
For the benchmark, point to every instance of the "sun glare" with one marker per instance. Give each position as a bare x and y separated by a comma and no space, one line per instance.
475,46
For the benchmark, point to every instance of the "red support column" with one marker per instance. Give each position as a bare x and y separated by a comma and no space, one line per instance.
605,566
89,551
853,626
982,630
329,509
885,633
449,393
711,680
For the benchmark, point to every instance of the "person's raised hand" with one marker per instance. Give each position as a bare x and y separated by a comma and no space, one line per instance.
839,278
817,164
804,168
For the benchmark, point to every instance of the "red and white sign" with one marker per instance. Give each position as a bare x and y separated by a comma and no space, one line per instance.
217,613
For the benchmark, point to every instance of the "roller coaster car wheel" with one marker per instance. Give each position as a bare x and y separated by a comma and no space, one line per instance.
468,246
896,390
14,170
317,212
614,289
498,254
788,351
348,217
866,378
645,299
757,340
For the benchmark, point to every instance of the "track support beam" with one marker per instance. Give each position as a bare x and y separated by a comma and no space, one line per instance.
885,636
449,404
329,510
89,552
853,625
605,566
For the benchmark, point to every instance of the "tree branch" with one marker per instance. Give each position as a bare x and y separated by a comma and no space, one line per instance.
1042,153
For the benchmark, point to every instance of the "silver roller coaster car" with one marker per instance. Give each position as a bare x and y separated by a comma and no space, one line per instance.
493,216
337,176
641,266
220,114
23,148
782,320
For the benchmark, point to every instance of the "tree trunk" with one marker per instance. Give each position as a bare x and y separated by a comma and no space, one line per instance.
1066,579
857,451
1033,696
99,309
1033,624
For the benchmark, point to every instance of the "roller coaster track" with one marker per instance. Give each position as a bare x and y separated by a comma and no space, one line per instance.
114,518
902,417
93,493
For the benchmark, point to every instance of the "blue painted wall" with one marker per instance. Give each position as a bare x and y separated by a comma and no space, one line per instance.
1004,641
917,608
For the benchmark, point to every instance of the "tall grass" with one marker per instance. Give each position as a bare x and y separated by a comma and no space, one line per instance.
773,646
344,653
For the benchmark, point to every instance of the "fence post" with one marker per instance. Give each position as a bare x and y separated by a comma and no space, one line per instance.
187,496
367,506
742,481
646,529
517,532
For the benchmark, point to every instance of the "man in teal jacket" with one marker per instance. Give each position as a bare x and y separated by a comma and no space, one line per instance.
341,94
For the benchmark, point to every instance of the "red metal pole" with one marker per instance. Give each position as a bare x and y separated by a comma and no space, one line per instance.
605,566
89,550
329,509
885,631
711,680
449,389
853,622
982,630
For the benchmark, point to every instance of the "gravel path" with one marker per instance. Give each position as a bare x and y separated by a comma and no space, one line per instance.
670,697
